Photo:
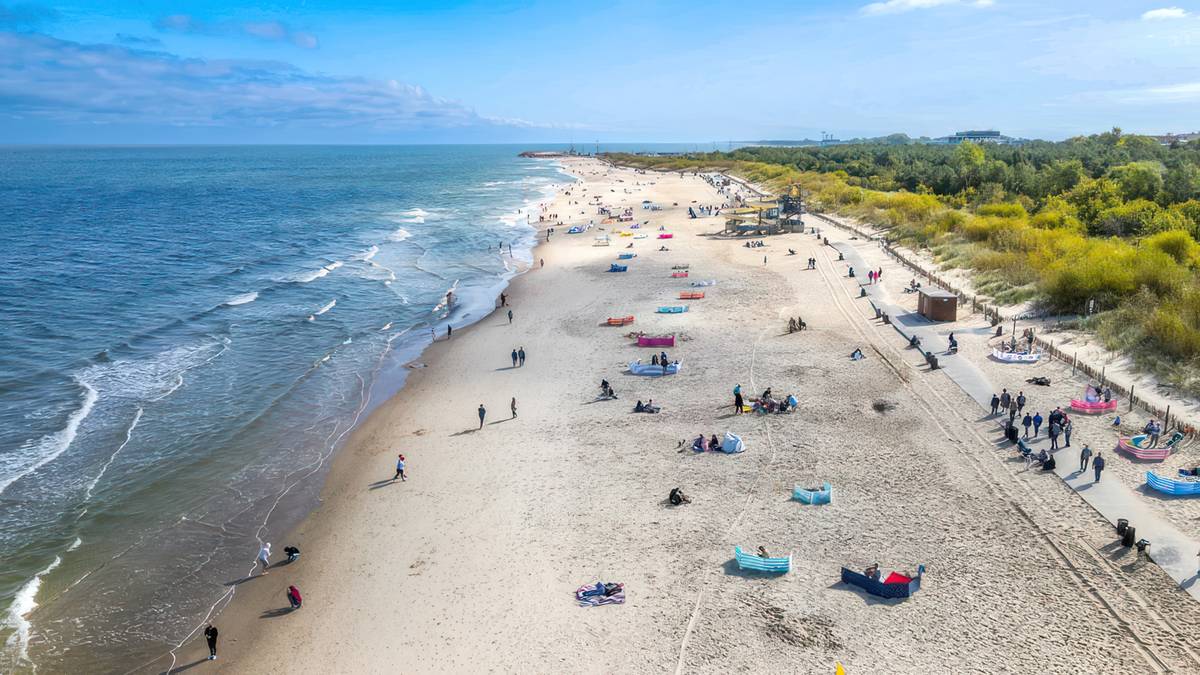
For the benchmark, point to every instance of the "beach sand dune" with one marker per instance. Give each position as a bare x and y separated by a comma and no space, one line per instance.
470,565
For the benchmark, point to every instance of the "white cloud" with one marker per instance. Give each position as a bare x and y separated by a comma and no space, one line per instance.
1164,14
900,6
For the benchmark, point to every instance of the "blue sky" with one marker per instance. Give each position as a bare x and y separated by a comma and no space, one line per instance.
515,71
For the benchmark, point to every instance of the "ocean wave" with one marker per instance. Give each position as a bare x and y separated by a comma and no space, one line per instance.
35,454
244,298
415,213
366,255
334,265
328,306
309,276
24,602
399,235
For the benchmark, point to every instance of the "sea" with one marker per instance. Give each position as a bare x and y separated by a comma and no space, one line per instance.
188,334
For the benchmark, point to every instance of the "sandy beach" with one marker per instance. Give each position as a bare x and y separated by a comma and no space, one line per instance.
470,565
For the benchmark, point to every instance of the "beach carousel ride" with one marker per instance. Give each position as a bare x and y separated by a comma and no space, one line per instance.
823,495
614,267
1138,447
755,563
626,256
1092,403
896,585
1186,484
651,370
672,309
1015,357
620,321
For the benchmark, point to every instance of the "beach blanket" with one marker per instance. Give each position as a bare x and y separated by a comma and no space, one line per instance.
600,593
691,295
666,236
618,268
622,321
677,309
679,275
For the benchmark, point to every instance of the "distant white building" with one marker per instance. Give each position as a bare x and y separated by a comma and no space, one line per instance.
1168,139
977,137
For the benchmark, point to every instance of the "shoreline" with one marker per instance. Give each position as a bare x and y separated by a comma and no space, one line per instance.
413,368
469,566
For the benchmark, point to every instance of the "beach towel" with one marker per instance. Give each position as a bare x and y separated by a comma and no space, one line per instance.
600,593
897,578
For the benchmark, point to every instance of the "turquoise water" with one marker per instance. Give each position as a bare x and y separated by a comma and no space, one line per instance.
188,334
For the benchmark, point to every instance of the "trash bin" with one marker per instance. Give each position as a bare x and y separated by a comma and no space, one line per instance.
1122,525
1129,537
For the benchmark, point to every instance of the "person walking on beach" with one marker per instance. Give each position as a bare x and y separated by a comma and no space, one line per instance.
995,404
1084,455
1098,466
264,557
514,358
1066,427
1037,423
449,331
482,414
1020,402
513,406
543,261
510,317
521,355
737,400
1055,430
400,469
210,636
503,300
293,596
1026,422
1005,400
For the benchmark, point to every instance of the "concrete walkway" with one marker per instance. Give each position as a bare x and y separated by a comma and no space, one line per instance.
1171,549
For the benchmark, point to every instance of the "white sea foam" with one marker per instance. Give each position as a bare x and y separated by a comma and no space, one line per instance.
310,276
386,326
368,254
328,306
242,299
24,602
400,234
104,469
35,454
333,266
415,213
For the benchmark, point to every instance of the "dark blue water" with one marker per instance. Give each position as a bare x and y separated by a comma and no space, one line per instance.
187,335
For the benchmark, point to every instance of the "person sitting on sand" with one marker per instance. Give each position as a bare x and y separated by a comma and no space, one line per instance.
677,497
639,407
791,251
762,552
654,360
1049,464
650,407
293,596
872,572
856,355
292,553
714,443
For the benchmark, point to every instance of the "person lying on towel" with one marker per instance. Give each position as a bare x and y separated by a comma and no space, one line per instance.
856,355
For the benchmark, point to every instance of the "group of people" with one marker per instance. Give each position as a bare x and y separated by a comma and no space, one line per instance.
874,276
1007,403
660,359
647,407
812,263
767,403
1059,425
702,444
518,357
606,391
1094,393
796,324
759,243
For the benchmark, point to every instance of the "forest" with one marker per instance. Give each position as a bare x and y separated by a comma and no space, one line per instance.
1103,228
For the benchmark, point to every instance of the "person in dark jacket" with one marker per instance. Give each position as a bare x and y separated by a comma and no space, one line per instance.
1098,466
210,636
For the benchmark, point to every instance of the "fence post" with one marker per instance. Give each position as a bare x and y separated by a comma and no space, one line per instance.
1074,363
1131,388
1103,369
